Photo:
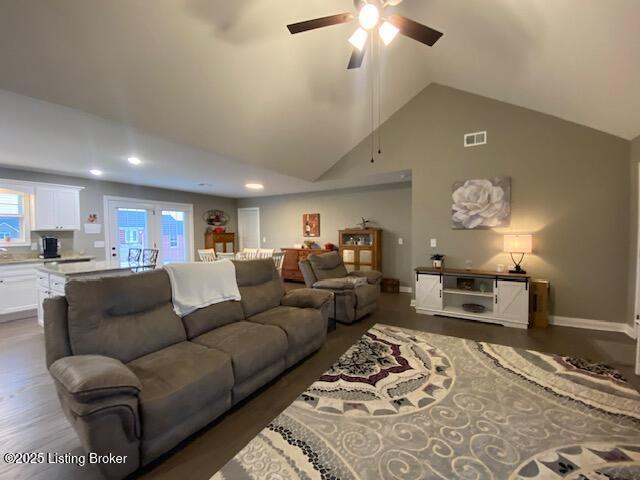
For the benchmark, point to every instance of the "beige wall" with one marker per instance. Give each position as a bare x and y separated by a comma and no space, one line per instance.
91,201
633,225
389,206
570,188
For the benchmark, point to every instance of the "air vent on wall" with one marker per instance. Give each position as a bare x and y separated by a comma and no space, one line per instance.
475,138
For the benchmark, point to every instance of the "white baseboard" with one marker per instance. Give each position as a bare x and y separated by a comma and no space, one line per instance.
591,324
406,290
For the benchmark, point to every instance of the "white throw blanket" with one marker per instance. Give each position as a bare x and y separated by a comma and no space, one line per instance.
200,284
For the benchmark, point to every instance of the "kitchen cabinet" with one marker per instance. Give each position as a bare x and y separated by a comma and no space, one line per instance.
57,208
18,291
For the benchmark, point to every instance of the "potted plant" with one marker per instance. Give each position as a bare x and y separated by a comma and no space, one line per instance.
437,259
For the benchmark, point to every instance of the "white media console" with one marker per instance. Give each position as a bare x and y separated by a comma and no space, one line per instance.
504,296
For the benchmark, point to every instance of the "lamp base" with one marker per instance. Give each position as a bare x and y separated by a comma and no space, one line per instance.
517,269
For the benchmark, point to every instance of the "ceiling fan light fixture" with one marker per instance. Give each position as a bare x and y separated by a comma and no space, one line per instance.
369,16
388,32
359,38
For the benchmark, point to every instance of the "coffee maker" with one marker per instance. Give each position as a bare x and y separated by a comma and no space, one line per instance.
50,247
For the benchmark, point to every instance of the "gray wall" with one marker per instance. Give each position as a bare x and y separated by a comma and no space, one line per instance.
389,206
570,188
633,226
91,201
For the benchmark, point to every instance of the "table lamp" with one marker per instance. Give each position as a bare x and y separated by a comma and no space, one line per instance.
517,244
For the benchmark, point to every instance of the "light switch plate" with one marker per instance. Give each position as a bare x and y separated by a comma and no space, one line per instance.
434,242
400,241
264,239
34,246
98,244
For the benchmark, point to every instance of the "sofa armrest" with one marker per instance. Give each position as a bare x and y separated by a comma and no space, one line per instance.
306,298
340,284
86,378
372,276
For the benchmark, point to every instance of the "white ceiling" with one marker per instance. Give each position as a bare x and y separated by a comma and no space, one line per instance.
225,77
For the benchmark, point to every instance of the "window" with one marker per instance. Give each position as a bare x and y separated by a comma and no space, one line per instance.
14,217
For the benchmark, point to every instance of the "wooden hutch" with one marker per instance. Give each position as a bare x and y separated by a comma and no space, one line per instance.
361,249
224,242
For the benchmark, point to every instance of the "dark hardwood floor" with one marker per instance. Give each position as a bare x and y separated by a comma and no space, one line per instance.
31,419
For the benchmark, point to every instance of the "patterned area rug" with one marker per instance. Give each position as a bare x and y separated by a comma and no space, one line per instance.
403,404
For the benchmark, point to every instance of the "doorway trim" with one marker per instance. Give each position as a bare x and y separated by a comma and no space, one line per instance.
257,210
108,199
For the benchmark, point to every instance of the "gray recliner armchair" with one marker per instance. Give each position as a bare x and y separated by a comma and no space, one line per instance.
355,293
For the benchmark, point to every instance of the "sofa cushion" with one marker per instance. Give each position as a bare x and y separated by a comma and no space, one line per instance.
252,347
123,317
177,382
327,265
213,316
260,285
303,326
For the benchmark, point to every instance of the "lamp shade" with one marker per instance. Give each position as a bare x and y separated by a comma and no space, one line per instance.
518,243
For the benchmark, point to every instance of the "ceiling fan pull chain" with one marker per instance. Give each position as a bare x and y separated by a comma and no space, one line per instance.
371,86
379,95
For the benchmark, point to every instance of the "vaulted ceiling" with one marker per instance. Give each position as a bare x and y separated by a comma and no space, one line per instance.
226,76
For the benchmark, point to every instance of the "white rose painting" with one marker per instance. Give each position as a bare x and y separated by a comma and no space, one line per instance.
481,203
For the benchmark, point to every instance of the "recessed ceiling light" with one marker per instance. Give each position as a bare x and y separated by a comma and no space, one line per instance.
96,172
254,186
134,160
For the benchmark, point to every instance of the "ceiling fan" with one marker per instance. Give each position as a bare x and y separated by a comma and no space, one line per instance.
371,14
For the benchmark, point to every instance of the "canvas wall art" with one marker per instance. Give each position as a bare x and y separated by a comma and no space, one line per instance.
311,225
481,203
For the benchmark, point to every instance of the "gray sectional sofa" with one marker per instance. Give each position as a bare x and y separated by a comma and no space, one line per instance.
135,379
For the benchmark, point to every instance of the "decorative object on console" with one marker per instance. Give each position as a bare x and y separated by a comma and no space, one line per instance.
473,307
464,283
310,244
311,225
481,203
518,244
330,246
437,259
364,224
216,218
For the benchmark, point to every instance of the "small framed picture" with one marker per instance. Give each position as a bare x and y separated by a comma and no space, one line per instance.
466,283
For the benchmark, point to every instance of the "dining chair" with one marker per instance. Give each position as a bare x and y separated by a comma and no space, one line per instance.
149,258
207,255
134,255
278,259
265,252
250,253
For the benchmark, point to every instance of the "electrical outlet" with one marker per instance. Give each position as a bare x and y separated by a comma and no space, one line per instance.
400,241
98,244
434,243
34,246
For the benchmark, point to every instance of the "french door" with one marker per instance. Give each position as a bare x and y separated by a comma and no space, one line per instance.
140,224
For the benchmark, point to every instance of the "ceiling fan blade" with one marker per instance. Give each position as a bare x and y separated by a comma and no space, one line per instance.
320,22
415,30
357,56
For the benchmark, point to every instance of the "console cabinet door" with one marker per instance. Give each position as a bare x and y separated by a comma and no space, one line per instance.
429,292
512,301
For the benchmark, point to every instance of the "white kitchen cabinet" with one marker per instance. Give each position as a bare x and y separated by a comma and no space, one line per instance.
429,292
512,300
18,291
57,208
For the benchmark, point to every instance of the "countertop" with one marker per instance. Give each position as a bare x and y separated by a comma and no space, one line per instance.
87,268
66,257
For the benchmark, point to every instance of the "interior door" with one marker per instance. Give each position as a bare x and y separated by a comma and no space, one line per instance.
249,227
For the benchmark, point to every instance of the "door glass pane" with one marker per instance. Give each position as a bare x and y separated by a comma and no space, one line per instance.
173,246
133,230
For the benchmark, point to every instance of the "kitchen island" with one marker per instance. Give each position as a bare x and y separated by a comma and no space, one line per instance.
53,276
